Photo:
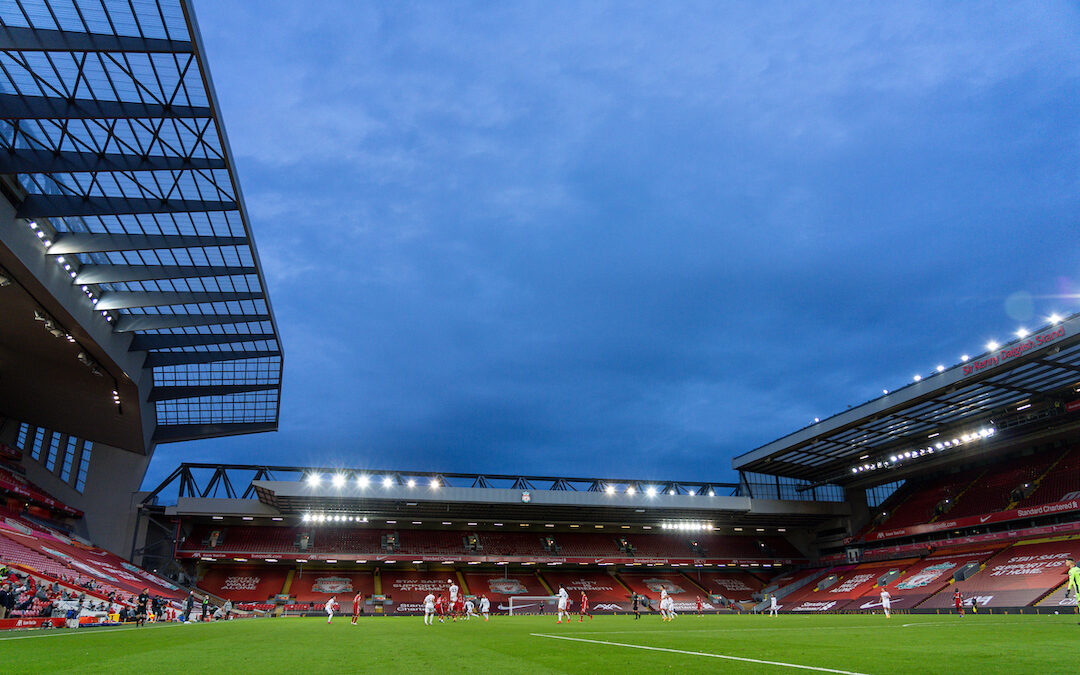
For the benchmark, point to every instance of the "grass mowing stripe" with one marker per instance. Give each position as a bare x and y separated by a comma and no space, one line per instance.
85,631
710,655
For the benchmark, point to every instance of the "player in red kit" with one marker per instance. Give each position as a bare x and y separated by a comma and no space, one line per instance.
958,602
440,608
584,611
357,603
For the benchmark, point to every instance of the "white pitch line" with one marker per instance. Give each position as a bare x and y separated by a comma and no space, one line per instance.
714,656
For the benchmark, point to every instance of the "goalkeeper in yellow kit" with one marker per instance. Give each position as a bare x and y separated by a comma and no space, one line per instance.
1073,587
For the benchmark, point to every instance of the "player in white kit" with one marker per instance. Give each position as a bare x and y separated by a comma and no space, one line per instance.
453,591
664,604
330,609
670,607
470,610
485,607
773,607
886,602
564,603
429,609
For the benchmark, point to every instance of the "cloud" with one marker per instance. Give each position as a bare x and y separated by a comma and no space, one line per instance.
636,237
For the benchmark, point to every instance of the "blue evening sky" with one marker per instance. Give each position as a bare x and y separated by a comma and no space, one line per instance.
636,239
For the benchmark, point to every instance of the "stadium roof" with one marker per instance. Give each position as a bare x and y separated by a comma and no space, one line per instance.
290,491
113,153
1023,382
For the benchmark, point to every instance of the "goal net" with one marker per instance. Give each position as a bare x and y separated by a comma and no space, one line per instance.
533,604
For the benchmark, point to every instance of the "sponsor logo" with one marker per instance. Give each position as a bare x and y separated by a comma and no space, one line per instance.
925,577
246,583
332,585
419,585
656,585
815,606
1025,565
586,585
612,607
852,583
733,585
983,519
1047,508
506,586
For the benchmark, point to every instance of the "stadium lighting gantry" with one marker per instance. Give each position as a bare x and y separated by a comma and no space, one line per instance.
907,455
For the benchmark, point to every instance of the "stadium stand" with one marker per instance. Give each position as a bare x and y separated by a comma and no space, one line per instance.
605,591
598,545
1062,479
993,490
240,583
736,586
407,589
19,489
649,584
499,588
842,586
318,585
924,578
86,567
1016,577
915,503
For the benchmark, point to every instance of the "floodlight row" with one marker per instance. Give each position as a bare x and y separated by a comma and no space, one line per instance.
938,447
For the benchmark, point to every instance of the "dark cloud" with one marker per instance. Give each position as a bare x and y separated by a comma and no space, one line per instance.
635,239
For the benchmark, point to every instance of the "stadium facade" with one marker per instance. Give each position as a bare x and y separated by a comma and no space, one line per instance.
135,307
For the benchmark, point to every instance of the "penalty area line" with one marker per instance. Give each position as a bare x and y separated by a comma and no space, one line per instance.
707,654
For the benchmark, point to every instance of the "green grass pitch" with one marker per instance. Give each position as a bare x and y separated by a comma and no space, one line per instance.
608,644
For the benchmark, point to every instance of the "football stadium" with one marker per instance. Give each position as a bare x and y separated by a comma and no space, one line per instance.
930,529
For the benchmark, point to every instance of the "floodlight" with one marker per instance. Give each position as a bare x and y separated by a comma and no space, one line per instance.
362,480
434,483
412,483
338,480
387,482
1022,333
918,378
965,358
314,479
941,369
650,491
610,489
1054,318
991,346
